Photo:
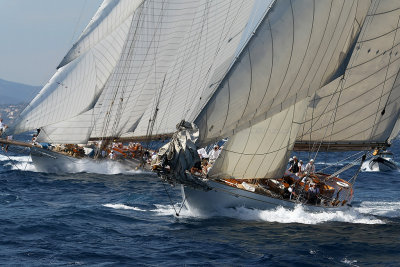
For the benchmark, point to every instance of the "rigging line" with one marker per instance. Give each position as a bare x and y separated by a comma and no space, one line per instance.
218,49
79,20
229,70
202,87
170,200
333,116
151,123
115,74
187,53
156,46
183,202
199,42
340,161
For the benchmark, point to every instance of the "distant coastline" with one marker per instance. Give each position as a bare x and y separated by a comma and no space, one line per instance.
16,93
14,97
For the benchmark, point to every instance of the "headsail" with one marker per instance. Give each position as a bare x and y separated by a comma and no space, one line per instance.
76,86
360,109
262,150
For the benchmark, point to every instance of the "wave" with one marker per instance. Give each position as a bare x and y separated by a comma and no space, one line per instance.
24,163
383,209
102,167
279,215
122,207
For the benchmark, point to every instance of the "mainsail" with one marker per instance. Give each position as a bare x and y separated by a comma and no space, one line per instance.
360,109
296,50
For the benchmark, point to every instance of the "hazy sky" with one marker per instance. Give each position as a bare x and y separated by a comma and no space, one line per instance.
36,34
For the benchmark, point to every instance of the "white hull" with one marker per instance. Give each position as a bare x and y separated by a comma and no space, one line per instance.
52,162
224,196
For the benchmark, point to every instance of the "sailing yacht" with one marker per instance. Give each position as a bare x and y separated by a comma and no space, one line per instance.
134,61
308,75
313,79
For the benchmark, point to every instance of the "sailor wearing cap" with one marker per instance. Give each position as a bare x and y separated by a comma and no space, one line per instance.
310,167
214,153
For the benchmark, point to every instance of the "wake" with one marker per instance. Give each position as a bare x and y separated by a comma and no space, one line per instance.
24,163
364,214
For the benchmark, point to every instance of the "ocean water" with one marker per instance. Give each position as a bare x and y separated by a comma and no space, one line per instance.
101,216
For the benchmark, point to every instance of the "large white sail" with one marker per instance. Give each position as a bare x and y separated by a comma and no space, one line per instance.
361,108
262,150
130,55
193,43
75,87
297,49
110,15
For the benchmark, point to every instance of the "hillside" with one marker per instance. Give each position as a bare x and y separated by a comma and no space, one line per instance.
16,93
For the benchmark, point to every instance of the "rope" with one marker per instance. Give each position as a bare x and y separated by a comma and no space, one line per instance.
183,202
170,200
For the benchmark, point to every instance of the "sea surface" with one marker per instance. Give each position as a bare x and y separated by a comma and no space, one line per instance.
102,217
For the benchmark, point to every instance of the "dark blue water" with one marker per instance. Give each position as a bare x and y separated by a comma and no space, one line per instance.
127,220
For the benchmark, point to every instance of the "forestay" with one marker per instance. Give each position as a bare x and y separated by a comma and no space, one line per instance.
298,48
360,109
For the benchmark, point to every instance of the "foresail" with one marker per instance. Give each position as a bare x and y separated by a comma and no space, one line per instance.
262,150
360,109
297,49
76,130
75,87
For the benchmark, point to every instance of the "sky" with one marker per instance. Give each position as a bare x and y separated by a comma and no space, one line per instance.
36,35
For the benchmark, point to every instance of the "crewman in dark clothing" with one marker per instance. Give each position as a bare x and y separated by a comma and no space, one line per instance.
295,165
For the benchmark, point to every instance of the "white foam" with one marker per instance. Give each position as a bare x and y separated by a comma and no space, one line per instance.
366,168
101,167
25,163
385,209
168,210
279,215
299,215
15,158
349,262
122,207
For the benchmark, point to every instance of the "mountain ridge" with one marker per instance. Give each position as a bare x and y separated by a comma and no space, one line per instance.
16,93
